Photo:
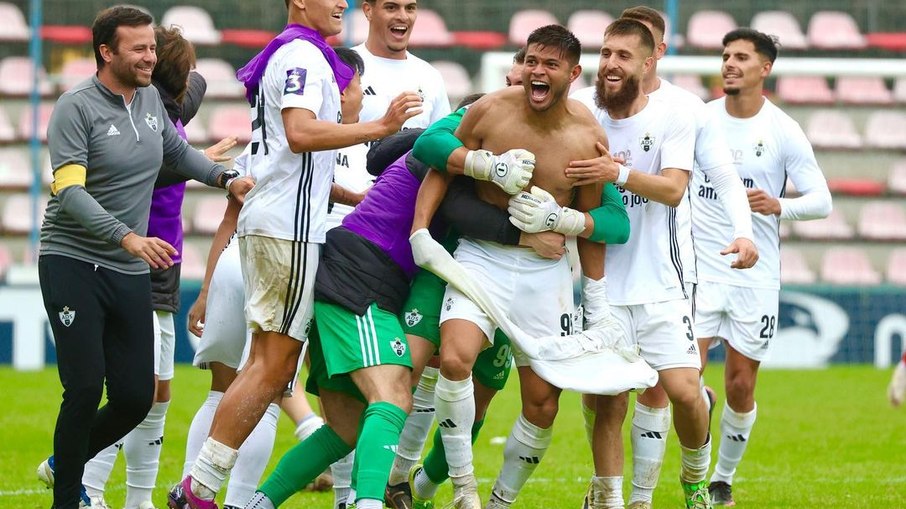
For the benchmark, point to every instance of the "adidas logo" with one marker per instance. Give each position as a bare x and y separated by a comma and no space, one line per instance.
533,460
447,423
369,91
391,448
737,438
652,434
113,131
159,441
499,376
424,410
692,350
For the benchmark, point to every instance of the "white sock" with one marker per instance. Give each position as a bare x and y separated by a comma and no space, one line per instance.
369,503
455,404
418,425
350,499
588,415
200,428
254,454
259,501
735,429
649,443
98,469
424,486
608,492
524,449
308,425
342,478
695,462
141,447
215,460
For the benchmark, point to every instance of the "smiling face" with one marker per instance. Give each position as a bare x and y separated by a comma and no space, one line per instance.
623,63
390,25
743,67
132,61
547,75
325,16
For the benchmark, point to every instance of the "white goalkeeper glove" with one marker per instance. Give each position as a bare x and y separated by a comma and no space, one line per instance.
538,211
511,171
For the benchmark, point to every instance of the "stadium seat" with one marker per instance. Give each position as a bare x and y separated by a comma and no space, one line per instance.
15,28
863,90
193,262
249,38
691,83
706,29
7,132
25,122
896,267
886,129
856,186
207,214
6,259
896,180
834,30
579,83
455,77
17,213
430,30
793,267
16,75
833,226
196,134
195,22
15,169
525,21
66,34
588,26
899,90
832,129
782,24
804,90
882,220
479,39
76,71
356,30
848,266
220,77
230,120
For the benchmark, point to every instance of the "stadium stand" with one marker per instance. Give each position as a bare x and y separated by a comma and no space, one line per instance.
848,266
196,133
193,262
230,120
833,226
6,260
16,75
882,220
15,169
834,30
886,129
832,129
588,26
456,79
75,71
15,28
896,181
356,30
793,267
804,90
207,214
706,29
899,90
523,22
197,25
863,90
692,83
896,267
17,214
430,30
220,77
782,24
7,132
25,122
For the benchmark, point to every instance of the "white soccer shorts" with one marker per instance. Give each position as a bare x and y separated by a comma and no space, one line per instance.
664,332
746,317
164,342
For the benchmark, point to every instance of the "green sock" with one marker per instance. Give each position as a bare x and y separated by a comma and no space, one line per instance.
436,462
382,424
301,464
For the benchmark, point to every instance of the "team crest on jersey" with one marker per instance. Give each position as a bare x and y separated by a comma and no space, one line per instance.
307,328
67,316
647,142
759,148
399,348
413,317
295,81
449,304
151,120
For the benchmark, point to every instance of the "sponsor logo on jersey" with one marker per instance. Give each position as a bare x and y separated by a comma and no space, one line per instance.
413,317
113,131
399,348
295,81
647,142
67,316
151,120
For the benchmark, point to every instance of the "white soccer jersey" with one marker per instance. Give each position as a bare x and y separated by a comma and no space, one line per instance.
289,200
351,174
766,149
649,267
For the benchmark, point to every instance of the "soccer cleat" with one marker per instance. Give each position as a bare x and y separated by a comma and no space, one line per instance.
696,494
46,475
100,503
181,497
465,495
496,502
398,496
896,391
418,503
639,504
721,494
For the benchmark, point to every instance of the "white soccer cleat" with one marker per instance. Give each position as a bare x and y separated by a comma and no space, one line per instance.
465,494
896,391
496,502
45,472
100,503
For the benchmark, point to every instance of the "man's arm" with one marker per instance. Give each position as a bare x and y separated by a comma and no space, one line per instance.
802,167
591,254
218,244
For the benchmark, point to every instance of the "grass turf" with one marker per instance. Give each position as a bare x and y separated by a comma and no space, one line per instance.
824,438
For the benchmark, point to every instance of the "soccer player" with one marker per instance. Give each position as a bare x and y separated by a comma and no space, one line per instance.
896,390
528,117
293,86
94,255
646,278
740,307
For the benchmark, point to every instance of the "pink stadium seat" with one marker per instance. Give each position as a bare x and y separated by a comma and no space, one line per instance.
833,129
456,78
207,215
76,71
882,220
899,90
430,30
834,30
7,132
706,29
525,21
230,120
588,25
17,213
782,24
896,267
16,75
252,38
15,28
793,267
196,133
691,83
804,90
6,259
886,129
25,122
863,90
833,226
195,22
896,181
15,168
848,266
193,262
220,77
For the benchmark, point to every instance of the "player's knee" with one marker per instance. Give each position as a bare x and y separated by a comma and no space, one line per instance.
542,412
740,387
455,367
612,409
688,398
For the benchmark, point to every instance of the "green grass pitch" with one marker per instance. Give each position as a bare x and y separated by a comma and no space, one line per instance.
823,439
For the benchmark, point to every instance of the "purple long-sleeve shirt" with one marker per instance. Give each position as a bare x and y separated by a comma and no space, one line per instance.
165,221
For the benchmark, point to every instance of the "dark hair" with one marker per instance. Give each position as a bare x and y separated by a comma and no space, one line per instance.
626,26
349,57
469,99
556,36
765,44
175,58
519,57
646,14
103,31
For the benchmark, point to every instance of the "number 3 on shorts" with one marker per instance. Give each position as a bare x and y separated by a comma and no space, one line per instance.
688,323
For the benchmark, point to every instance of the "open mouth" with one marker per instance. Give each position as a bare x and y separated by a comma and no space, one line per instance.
399,30
337,16
540,90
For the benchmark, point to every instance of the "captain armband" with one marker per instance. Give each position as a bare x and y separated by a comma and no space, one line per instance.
66,176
